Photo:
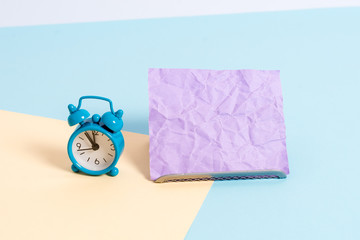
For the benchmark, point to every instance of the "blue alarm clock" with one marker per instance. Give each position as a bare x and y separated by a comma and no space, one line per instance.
97,143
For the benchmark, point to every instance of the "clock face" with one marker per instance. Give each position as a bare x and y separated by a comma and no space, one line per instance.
93,150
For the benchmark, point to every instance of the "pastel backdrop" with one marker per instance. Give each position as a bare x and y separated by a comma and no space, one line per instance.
44,68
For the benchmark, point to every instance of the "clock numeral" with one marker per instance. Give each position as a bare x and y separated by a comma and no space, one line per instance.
96,161
112,149
95,133
78,145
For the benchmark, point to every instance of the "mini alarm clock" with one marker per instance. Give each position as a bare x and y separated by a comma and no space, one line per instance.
97,143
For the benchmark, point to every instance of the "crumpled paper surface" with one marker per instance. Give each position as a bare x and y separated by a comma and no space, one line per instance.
203,121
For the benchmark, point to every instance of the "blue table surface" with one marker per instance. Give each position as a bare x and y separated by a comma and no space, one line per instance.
44,68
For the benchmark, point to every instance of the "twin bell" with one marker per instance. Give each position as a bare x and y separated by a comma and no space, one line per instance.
111,120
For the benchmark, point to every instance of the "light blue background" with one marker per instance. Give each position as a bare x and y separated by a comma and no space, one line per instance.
44,68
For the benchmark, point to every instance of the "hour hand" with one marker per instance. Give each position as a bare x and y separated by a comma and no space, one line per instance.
90,139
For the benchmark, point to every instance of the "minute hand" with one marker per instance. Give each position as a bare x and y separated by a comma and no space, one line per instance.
85,149
90,139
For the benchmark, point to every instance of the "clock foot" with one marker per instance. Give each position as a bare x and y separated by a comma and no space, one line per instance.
113,172
74,168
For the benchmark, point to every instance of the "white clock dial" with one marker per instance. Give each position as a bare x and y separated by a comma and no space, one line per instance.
93,150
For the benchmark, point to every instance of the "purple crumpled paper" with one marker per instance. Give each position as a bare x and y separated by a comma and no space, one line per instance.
204,121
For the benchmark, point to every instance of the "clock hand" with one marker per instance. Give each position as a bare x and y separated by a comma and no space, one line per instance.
94,145
85,149
89,138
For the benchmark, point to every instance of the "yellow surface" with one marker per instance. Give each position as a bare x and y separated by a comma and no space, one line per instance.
41,198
